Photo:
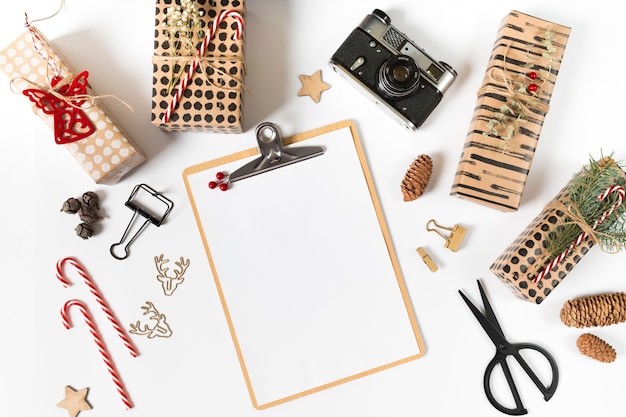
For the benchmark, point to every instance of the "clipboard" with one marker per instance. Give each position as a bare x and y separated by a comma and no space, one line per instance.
305,269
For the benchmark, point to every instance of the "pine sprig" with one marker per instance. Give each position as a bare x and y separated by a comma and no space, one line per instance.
583,200
507,122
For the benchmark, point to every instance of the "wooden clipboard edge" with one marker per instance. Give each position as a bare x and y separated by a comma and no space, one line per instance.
384,229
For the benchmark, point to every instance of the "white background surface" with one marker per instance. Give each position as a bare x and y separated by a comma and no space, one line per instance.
196,372
317,299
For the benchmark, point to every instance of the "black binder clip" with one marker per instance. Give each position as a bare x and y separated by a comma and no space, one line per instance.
273,155
137,203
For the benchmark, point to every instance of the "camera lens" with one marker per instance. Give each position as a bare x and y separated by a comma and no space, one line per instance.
398,76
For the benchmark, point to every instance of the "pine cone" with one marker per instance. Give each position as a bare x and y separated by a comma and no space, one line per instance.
596,348
595,310
417,177
84,231
91,199
71,205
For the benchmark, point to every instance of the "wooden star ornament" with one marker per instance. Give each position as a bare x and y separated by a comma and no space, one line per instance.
313,86
74,401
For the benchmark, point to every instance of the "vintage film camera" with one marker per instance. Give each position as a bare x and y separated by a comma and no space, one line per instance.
392,70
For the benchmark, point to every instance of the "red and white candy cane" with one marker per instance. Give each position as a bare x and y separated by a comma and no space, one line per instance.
100,344
99,298
620,199
182,86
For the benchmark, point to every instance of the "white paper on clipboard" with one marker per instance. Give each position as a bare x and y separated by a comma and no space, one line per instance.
305,268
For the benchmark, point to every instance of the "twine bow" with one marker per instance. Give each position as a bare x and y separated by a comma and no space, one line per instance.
196,61
520,101
63,97
505,87
588,231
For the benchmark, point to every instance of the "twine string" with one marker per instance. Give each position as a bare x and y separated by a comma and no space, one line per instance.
61,4
196,61
588,231
55,80
204,63
499,76
502,84
39,45
71,100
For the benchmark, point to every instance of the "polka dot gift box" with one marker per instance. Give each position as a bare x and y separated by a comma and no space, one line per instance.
528,265
63,99
198,66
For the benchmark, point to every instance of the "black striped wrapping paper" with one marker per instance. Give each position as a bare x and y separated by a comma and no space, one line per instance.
492,169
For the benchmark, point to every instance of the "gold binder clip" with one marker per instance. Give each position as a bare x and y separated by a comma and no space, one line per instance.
454,239
427,260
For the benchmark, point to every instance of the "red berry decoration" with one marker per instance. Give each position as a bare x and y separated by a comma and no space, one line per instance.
532,75
532,88
221,181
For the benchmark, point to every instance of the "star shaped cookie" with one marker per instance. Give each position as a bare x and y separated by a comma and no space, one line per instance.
312,86
74,401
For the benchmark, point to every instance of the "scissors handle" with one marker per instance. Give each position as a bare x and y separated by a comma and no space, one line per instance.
514,350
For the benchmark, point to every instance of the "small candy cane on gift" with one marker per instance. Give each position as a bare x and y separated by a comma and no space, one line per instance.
194,64
99,298
620,199
100,344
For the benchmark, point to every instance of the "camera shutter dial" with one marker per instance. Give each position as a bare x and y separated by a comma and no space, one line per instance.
398,76
382,16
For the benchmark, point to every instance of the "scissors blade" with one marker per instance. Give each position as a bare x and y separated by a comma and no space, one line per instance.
491,316
493,331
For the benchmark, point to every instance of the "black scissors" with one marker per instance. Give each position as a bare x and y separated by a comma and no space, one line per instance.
505,349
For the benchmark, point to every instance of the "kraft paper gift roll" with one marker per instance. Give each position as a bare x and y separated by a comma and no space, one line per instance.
527,266
512,104
31,63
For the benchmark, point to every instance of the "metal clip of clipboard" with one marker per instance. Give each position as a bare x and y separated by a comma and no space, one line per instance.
273,155
144,211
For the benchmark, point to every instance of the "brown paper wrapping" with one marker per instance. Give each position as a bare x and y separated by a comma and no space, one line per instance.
526,256
106,155
492,170
213,100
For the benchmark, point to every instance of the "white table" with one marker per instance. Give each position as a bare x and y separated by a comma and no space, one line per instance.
114,39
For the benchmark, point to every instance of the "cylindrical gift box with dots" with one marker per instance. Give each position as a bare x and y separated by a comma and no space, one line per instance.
526,257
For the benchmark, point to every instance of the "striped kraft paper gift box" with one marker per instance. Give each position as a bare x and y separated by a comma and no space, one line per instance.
512,104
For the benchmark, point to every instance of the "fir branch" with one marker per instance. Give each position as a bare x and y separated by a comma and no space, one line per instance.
583,201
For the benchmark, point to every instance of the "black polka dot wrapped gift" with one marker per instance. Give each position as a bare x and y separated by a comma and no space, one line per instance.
198,81
579,217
